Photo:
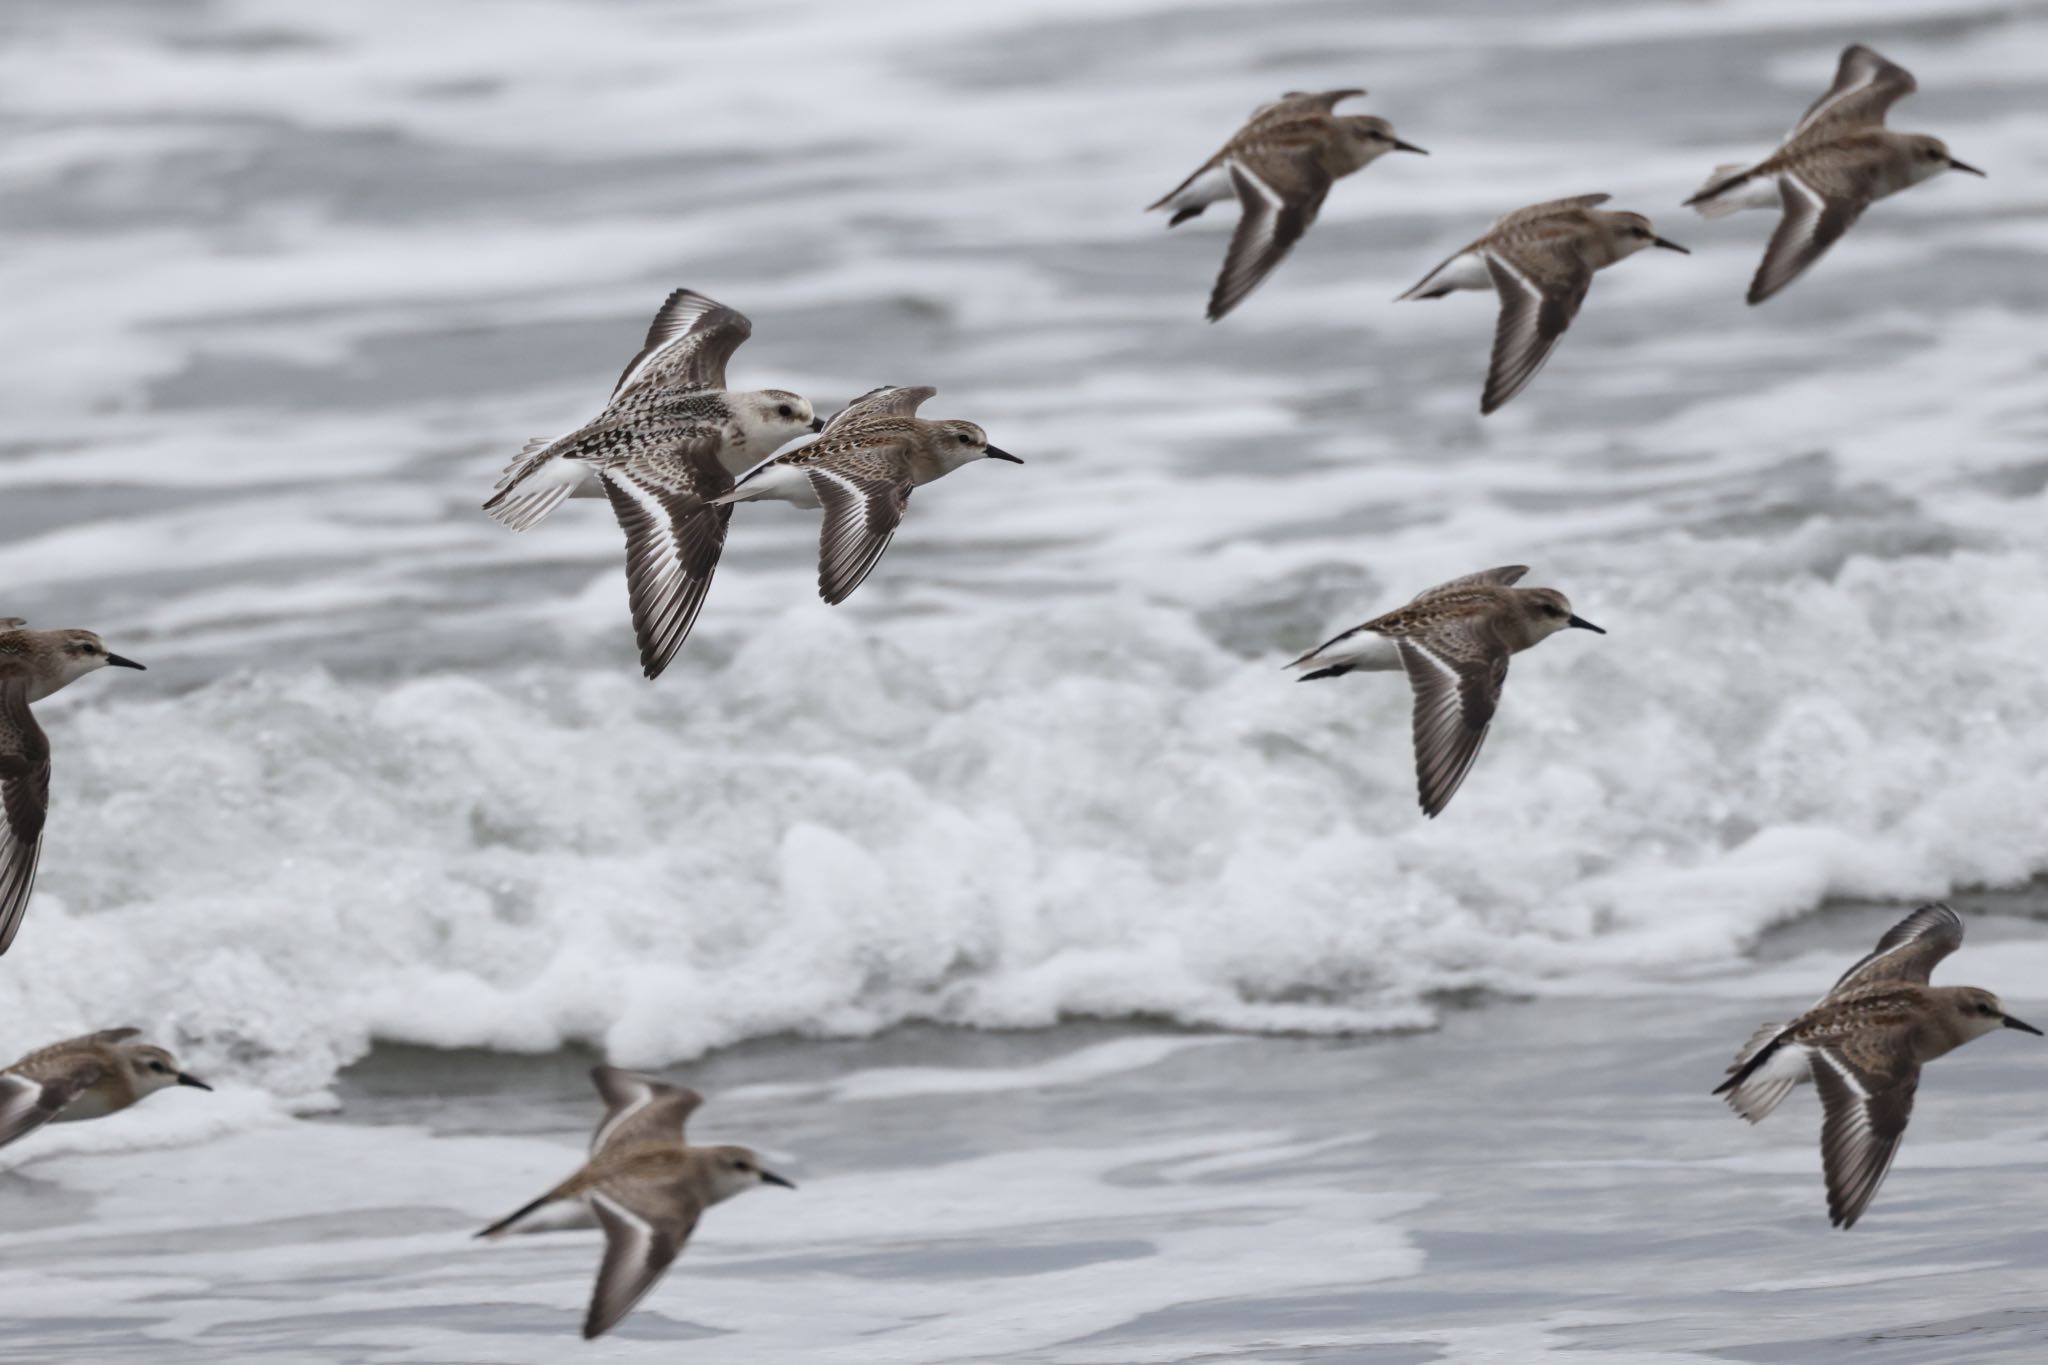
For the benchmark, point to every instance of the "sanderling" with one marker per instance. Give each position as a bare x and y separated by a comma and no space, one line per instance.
1541,261
861,471
33,664
1833,165
1453,641
1280,165
84,1078
1863,1044
671,438
645,1185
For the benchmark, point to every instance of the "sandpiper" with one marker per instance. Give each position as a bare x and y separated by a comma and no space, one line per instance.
33,664
1453,641
1280,165
1540,260
861,471
1863,1044
671,438
84,1078
1834,164
646,1187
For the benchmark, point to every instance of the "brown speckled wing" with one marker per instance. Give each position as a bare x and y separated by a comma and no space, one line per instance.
1279,193
1821,199
890,400
1908,951
1535,213
1457,670
1506,576
1541,284
1866,1091
863,508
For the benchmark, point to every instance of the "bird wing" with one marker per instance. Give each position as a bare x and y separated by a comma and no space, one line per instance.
1908,950
24,798
1540,293
1279,195
862,511
1295,103
688,344
1456,670
1506,576
1548,209
888,400
674,535
26,1105
637,1109
1820,204
31,1096
1866,87
645,1226
1866,1093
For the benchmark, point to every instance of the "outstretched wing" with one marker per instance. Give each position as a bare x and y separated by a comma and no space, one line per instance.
688,344
1522,217
862,511
1866,87
1278,195
24,799
1820,204
1506,576
1456,671
637,1109
1540,290
1295,103
28,1100
640,1243
1866,1091
889,400
1908,950
674,536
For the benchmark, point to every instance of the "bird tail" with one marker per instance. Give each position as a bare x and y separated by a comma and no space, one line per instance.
511,1221
1763,1074
522,508
1710,200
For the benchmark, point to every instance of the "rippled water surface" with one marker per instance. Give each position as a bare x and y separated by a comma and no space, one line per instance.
286,286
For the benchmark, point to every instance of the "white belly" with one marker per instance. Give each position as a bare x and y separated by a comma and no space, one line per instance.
1366,650
1462,272
779,483
1761,193
1210,187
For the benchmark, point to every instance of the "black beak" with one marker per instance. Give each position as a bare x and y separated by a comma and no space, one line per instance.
1670,245
1956,165
992,453
2011,1022
1583,624
118,662
770,1178
187,1078
817,424
1401,146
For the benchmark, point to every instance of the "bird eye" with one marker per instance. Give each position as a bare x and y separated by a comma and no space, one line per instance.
964,439
784,411
157,1067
